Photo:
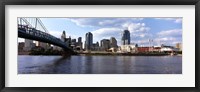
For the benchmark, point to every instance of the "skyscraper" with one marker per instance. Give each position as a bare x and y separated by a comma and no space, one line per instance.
126,37
113,42
73,43
88,41
28,45
95,46
105,44
63,36
79,39
80,42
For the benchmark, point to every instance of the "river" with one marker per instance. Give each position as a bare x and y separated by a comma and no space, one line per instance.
99,64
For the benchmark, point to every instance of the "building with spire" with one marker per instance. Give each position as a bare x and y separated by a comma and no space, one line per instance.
63,36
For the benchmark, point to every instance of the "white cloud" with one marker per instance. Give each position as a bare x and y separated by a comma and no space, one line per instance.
59,33
106,33
167,41
113,27
103,22
169,37
135,27
174,32
140,32
176,20
55,33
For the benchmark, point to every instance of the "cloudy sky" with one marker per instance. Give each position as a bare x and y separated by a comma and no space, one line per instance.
161,30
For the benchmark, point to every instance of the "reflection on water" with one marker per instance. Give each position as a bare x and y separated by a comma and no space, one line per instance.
99,64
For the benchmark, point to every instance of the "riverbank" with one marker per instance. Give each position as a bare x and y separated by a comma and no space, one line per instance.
102,54
126,54
23,53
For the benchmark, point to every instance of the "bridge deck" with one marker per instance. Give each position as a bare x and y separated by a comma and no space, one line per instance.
34,34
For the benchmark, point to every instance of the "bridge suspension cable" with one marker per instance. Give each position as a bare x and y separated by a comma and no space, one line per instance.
33,23
33,29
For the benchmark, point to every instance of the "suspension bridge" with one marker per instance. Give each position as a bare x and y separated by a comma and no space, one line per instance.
34,29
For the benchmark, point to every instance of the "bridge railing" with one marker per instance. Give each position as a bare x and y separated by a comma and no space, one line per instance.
32,31
33,28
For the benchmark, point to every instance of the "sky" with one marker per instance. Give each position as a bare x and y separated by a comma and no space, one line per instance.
166,31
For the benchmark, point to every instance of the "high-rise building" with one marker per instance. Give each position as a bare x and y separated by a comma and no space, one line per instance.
95,46
68,41
97,43
79,39
105,44
28,45
88,41
79,43
63,36
73,43
126,37
43,45
113,42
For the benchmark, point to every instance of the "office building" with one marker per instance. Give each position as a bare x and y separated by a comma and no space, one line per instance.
28,45
95,46
105,44
113,42
63,36
43,45
73,44
79,43
88,41
126,37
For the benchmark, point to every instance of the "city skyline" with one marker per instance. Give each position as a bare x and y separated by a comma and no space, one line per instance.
160,30
109,52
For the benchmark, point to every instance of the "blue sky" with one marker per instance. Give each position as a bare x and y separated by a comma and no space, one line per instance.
161,30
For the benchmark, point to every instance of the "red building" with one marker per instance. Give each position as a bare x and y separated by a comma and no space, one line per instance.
143,49
148,49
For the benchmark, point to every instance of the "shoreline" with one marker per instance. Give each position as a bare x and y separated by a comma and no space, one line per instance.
123,54
110,54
